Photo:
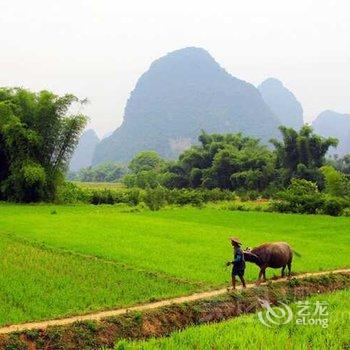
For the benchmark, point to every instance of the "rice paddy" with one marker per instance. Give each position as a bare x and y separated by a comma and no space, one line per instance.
63,260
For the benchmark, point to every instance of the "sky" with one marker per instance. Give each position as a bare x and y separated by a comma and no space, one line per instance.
97,49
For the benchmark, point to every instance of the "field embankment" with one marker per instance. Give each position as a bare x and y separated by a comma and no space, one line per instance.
246,332
163,321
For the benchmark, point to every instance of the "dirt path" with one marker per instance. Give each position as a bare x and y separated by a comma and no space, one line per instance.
103,314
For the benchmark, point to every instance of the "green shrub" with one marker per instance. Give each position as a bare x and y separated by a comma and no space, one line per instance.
101,197
134,196
27,183
184,196
333,206
280,206
302,196
70,193
337,184
301,187
308,204
346,212
248,195
155,198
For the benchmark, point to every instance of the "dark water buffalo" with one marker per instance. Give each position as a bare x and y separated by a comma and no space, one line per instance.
275,255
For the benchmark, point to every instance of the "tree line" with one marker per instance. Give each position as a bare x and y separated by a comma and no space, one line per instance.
236,162
38,136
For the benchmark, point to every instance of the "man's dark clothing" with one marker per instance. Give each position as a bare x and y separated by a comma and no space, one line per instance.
238,263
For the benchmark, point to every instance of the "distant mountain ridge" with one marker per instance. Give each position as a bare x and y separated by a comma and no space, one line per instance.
182,93
331,123
282,102
82,156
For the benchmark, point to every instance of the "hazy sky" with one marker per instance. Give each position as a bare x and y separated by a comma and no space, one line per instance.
98,48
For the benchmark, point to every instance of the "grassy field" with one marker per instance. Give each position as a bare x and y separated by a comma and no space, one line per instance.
40,283
246,332
47,271
99,185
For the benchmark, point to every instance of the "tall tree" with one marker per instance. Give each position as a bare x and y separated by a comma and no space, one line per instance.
145,169
37,139
301,154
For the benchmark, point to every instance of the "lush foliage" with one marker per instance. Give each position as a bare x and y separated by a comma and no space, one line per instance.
236,162
303,196
246,332
220,161
301,154
336,183
145,170
83,258
37,139
107,172
154,198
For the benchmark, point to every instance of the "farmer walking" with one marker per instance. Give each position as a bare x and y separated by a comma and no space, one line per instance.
238,263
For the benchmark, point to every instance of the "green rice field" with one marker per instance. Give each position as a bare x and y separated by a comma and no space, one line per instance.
63,260
246,332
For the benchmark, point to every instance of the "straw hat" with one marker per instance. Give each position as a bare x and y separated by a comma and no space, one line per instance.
235,240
